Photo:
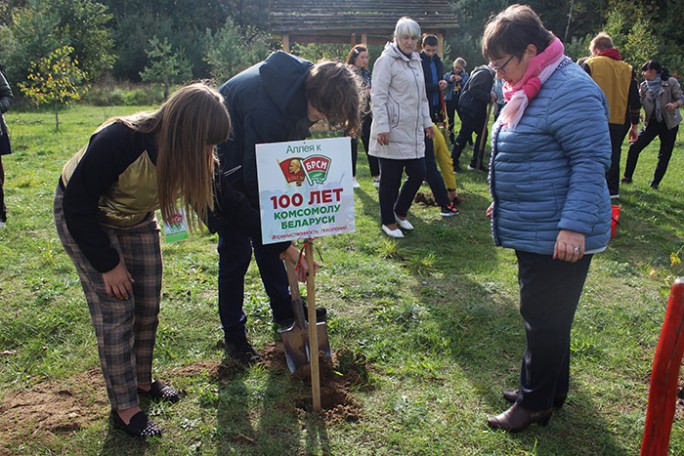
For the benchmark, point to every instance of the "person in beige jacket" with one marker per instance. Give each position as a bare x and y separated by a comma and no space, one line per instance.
401,121
661,97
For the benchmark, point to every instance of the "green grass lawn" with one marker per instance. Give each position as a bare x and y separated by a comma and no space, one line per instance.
435,315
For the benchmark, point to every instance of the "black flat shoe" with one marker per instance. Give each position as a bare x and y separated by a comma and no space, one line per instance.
161,392
139,426
512,396
517,419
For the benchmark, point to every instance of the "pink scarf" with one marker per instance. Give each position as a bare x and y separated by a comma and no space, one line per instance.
539,69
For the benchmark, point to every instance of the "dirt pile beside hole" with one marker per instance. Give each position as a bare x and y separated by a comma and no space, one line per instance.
425,198
339,373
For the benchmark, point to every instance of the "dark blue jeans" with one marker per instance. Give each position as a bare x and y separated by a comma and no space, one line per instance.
235,254
392,199
549,293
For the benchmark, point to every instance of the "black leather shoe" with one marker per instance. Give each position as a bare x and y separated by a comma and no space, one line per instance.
139,425
512,396
161,392
517,419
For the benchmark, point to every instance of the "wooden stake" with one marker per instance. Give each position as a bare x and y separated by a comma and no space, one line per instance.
313,328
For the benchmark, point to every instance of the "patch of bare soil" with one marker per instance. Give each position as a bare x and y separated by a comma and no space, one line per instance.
53,408
425,198
57,408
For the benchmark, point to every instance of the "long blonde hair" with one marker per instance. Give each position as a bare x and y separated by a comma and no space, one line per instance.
185,126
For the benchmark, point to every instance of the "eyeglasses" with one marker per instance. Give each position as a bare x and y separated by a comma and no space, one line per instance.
502,68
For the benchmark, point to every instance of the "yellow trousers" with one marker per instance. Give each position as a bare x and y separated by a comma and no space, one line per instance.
443,158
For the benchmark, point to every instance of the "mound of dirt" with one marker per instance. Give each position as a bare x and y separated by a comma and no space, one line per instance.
338,374
425,198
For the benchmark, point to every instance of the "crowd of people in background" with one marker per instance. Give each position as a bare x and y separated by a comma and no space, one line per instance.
554,167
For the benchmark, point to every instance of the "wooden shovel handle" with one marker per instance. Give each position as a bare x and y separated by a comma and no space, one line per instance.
292,280
313,328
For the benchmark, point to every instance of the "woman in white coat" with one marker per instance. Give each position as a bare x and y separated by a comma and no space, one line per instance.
401,121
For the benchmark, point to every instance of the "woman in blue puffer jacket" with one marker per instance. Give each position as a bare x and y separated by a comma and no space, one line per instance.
550,152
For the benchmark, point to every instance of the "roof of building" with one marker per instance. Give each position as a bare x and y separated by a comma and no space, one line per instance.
337,20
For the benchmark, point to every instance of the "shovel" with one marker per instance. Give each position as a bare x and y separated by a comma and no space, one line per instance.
296,337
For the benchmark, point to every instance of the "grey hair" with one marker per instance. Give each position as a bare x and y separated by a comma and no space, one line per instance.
406,27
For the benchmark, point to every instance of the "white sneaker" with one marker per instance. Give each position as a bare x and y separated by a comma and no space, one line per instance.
355,183
396,233
405,224
376,182
2,225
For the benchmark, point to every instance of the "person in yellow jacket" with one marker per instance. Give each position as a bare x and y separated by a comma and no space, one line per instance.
617,81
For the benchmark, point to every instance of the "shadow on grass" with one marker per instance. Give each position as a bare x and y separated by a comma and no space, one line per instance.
265,416
483,331
118,443
486,341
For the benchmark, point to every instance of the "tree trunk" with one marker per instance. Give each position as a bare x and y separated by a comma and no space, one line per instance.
56,117
567,27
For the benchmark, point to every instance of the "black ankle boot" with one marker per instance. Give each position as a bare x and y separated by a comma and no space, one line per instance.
240,349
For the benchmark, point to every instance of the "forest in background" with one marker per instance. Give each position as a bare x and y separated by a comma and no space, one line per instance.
174,41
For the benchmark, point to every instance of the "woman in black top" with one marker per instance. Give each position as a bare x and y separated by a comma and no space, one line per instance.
358,60
105,216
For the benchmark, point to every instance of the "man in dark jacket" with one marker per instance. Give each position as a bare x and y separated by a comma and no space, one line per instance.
433,70
475,97
273,101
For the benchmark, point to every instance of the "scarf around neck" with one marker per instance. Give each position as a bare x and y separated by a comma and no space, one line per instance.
654,87
611,53
539,69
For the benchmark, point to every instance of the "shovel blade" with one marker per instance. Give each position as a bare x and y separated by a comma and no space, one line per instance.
296,347
323,341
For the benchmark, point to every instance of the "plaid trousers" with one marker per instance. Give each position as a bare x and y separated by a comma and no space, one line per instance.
126,329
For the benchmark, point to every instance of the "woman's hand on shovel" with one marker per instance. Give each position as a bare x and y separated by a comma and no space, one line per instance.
302,266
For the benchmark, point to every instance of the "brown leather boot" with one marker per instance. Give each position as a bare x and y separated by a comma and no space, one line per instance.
517,419
512,395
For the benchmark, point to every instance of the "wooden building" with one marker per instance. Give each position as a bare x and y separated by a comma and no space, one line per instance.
355,21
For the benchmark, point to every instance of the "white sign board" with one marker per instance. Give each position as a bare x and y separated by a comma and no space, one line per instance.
305,189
